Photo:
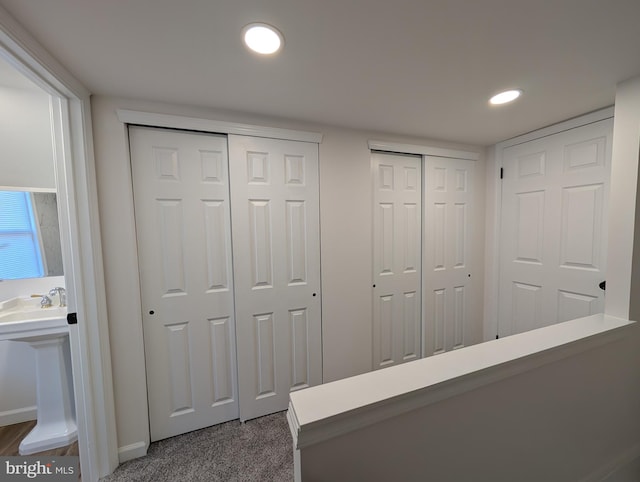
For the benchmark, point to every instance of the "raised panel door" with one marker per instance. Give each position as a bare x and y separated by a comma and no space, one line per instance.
276,244
397,258
448,267
183,226
553,228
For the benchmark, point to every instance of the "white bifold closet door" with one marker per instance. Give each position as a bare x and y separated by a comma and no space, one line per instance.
181,194
451,314
230,327
554,228
276,244
397,225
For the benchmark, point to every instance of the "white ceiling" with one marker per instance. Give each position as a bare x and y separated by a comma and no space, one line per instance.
415,67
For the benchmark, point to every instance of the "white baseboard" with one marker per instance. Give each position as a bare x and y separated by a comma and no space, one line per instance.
616,469
18,415
132,451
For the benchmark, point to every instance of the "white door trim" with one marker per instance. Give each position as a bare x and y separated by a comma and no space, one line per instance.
422,150
80,232
151,119
572,123
493,211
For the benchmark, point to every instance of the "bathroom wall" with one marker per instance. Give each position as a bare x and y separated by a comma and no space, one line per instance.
25,137
27,161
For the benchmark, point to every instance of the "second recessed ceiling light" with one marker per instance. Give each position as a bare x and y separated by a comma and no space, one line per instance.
506,96
262,38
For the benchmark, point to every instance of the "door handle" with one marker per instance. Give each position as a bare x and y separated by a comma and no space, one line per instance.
603,285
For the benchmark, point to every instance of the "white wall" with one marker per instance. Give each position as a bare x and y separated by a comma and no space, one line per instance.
623,297
575,419
346,226
25,137
26,161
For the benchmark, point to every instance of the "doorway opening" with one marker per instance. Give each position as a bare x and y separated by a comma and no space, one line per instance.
72,170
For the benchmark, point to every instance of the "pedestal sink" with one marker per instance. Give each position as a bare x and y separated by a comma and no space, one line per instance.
46,331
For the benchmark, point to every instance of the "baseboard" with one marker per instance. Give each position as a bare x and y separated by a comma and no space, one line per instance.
132,451
18,415
614,470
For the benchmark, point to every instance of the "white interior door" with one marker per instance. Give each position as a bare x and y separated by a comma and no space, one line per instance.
397,245
276,243
554,228
181,190
450,287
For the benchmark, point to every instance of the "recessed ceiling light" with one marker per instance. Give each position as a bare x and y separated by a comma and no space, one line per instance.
262,38
506,96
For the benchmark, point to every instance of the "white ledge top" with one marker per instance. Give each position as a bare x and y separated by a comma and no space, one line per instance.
324,411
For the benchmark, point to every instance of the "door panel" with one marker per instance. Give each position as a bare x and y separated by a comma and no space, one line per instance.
449,287
181,192
553,228
397,258
275,209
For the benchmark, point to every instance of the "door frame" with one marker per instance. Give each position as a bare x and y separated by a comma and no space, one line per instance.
493,207
423,151
81,245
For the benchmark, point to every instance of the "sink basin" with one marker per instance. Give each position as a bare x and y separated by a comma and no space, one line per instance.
22,318
47,332
40,314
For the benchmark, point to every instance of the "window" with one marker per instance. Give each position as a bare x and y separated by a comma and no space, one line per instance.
20,247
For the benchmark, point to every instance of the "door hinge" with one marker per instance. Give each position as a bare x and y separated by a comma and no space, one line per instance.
72,318
501,172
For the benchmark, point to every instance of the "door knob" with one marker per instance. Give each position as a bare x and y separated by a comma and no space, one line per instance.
603,285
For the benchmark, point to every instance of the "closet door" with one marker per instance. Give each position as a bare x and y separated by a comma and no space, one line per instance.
452,314
181,191
397,244
276,245
554,228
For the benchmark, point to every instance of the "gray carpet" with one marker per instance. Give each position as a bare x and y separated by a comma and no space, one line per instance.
258,450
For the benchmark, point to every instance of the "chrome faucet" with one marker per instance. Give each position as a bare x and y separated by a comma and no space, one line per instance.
45,301
62,295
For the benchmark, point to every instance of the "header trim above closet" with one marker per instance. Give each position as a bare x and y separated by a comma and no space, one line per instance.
422,150
208,125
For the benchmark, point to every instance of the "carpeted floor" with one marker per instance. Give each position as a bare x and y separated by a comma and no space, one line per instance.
258,450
